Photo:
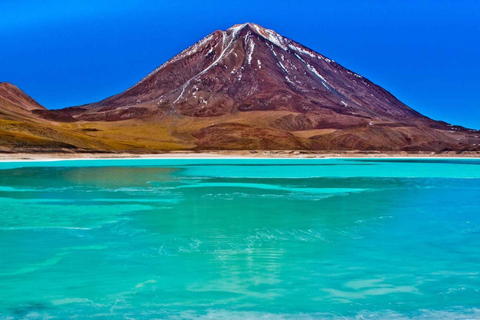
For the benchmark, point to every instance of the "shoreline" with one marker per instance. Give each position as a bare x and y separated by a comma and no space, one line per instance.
208,155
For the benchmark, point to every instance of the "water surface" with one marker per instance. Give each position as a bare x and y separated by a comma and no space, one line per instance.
269,239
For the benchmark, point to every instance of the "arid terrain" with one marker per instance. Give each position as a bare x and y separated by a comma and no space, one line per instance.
246,88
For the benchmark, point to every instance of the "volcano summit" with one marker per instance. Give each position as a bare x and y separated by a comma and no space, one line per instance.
250,88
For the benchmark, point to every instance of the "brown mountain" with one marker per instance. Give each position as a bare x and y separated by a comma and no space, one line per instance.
249,68
19,126
15,103
24,129
250,88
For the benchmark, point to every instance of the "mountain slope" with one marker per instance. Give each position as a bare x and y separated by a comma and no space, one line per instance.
15,103
249,68
23,130
26,126
250,88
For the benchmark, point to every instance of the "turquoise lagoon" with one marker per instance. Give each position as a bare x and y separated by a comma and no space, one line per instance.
240,239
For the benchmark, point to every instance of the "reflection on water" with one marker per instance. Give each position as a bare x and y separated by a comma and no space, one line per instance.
233,241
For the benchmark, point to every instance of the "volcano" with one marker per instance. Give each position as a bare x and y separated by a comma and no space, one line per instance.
249,68
250,88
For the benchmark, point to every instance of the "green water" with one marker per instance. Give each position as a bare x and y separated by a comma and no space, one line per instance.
240,239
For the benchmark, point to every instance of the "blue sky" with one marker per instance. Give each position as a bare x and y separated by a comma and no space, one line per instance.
66,53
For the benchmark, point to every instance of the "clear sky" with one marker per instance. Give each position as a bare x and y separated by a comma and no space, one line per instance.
65,52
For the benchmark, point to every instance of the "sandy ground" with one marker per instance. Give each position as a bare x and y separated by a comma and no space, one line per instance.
232,154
